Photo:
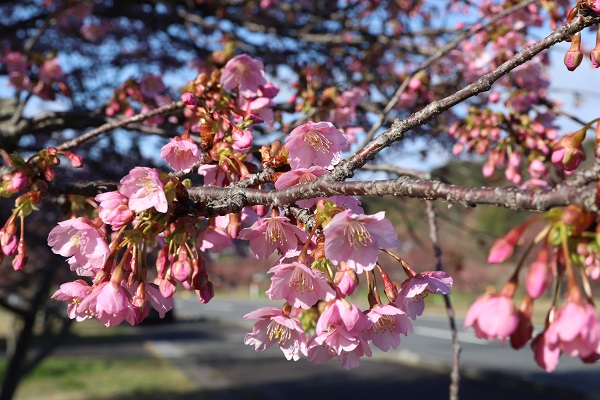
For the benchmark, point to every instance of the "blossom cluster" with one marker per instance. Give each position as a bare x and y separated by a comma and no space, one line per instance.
317,270
572,328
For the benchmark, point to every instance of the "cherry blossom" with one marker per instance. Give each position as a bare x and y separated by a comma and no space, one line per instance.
299,176
80,240
575,330
343,314
299,285
181,153
544,355
492,317
356,239
274,327
151,85
144,189
243,73
388,322
414,290
314,142
73,293
271,233
114,210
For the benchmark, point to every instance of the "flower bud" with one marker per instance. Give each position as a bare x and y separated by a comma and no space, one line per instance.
568,152
574,56
346,281
76,159
189,99
19,262
595,56
539,275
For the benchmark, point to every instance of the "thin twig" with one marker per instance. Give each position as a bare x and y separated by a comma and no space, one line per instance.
436,56
176,105
433,235
396,133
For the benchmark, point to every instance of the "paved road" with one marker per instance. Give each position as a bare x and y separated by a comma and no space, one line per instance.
213,356
428,345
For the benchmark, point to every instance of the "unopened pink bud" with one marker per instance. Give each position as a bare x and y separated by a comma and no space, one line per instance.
167,288
19,262
76,160
49,174
9,246
539,276
595,57
573,59
574,56
161,261
503,247
189,99
206,293
20,181
346,281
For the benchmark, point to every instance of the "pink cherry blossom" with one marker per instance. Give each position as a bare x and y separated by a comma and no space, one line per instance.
523,332
214,238
341,313
575,330
160,303
493,316
351,359
346,281
274,327
314,142
112,304
144,189
299,285
80,240
270,233
242,138
260,106
544,355
181,154
73,293
20,181
245,74
357,238
51,71
10,246
347,347
298,177
151,85
388,322
114,210
412,294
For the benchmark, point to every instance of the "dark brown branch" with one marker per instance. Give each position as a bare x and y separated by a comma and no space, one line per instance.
507,197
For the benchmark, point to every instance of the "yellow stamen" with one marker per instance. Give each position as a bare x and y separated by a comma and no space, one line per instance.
319,142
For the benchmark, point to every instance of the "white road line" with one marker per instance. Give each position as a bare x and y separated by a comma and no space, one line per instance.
465,337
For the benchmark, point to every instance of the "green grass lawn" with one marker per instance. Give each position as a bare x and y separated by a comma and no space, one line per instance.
86,378
116,378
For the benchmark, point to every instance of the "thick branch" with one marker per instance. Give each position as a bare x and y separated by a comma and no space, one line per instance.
507,197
